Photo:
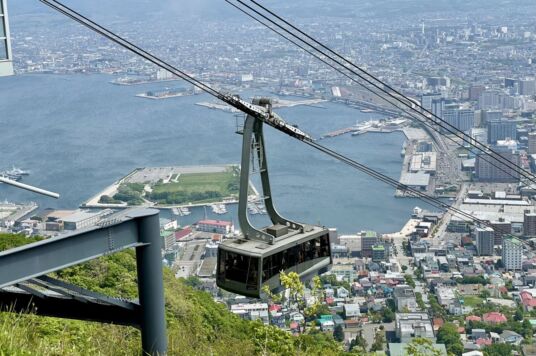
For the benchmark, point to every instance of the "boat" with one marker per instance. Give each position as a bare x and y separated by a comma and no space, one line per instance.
18,172
219,209
181,211
185,211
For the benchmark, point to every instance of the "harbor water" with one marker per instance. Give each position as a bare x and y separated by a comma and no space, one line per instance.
79,133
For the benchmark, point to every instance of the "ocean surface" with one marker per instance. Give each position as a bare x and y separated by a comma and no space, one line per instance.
78,134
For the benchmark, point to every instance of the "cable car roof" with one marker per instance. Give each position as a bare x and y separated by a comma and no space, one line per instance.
259,248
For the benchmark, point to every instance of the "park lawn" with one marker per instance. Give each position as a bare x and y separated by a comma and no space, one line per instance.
202,182
472,301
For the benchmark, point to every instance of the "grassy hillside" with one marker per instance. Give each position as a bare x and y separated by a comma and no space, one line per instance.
196,324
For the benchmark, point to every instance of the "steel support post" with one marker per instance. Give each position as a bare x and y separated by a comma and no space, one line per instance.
151,287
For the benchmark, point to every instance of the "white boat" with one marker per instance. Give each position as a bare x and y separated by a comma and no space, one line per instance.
185,211
219,209
18,172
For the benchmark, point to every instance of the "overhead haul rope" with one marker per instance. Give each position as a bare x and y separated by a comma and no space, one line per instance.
381,87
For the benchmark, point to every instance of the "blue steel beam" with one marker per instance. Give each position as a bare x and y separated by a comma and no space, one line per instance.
46,256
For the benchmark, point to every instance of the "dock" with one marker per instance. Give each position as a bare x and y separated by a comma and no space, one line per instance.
339,132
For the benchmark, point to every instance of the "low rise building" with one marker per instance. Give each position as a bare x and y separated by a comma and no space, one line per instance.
215,226
412,325
83,219
446,296
252,311
405,300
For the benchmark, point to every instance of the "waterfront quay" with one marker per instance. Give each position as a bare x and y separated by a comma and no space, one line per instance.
172,187
11,212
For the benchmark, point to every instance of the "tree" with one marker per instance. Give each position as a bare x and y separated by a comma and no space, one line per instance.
404,268
419,346
518,316
498,350
387,315
359,344
448,335
338,333
485,294
296,294
420,301
409,281
379,341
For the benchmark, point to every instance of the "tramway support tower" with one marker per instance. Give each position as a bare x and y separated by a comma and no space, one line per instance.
247,264
25,287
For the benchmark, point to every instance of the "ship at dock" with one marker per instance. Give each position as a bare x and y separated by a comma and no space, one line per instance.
14,173
181,211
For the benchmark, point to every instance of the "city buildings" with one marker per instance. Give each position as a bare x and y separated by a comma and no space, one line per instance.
500,228
368,240
405,299
529,224
501,130
411,325
6,61
378,253
462,119
427,99
532,143
215,226
489,170
512,253
82,219
485,240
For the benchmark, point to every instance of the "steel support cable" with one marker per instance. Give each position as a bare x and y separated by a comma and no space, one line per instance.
411,105
412,115
124,43
487,151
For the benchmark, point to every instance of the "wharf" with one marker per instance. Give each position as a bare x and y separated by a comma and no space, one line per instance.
16,212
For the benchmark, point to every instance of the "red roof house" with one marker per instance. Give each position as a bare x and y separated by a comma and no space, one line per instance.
494,318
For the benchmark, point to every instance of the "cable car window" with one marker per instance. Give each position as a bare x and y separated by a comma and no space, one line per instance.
235,267
307,251
325,248
253,273
3,49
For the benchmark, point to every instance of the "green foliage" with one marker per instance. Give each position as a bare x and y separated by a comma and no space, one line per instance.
127,193
523,328
472,280
332,280
448,335
387,315
197,188
498,350
181,197
8,241
420,301
437,309
359,344
196,324
338,333
106,199
421,346
409,281
518,316
379,341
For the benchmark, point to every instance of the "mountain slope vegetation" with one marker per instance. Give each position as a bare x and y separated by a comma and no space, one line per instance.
196,324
